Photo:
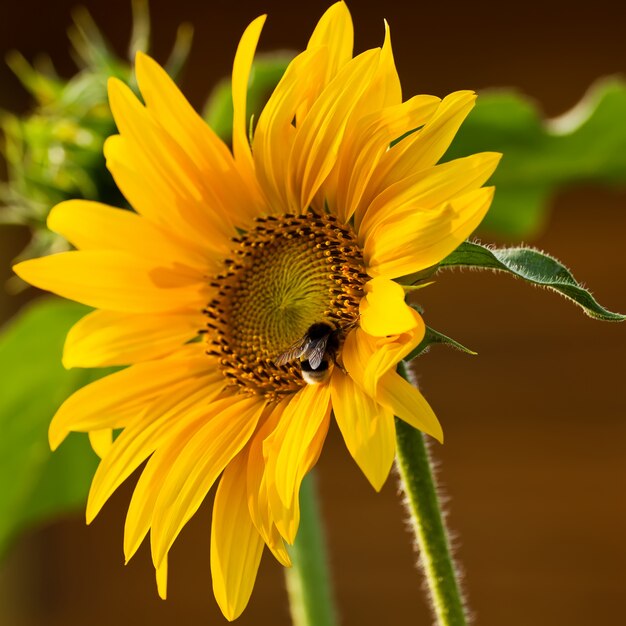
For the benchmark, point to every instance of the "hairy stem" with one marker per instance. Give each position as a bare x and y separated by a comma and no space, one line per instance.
431,534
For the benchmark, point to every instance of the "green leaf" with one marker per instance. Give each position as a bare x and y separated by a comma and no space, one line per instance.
432,337
34,483
267,70
585,145
533,266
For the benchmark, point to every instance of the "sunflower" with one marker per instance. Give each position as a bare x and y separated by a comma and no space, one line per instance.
253,294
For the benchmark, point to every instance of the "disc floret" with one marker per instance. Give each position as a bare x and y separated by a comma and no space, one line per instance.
283,275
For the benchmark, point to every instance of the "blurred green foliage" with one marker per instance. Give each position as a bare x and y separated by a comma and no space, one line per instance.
267,70
55,152
36,484
585,145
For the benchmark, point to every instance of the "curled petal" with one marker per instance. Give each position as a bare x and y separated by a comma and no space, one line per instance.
384,311
367,359
424,239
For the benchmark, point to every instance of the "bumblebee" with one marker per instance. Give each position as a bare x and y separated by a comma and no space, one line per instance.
317,351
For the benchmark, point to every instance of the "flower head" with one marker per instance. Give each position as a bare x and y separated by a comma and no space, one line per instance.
281,258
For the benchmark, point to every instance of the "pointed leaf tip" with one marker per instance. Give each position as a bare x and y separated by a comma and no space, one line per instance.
533,266
432,337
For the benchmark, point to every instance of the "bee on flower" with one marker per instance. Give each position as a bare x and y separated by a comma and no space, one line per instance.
253,293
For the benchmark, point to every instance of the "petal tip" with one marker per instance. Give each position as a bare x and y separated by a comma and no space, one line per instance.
162,591
89,517
56,436
22,269
114,85
66,359
379,482
142,57
438,435
57,213
145,64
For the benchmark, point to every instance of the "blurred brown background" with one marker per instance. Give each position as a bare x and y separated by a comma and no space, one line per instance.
534,461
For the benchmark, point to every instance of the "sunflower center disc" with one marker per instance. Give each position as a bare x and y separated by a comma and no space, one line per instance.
284,275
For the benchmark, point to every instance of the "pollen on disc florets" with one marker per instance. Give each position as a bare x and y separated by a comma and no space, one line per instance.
283,275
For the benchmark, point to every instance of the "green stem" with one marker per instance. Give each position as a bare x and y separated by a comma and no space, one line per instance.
430,531
308,580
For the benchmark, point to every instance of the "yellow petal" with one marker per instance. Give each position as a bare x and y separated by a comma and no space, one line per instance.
257,486
425,147
163,153
140,439
141,507
274,134
358,348
383,310
335,32
367,428
169,107
240,79
427,190
287,518
229,425
95,226
111,401
292,449
288,444
101,440
161,580
384,89
367,359
407,403
366,140
319,134
149,193
258,499
424,239
236,546
387,89
113,280
204,195
148,488
104,338
276,544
